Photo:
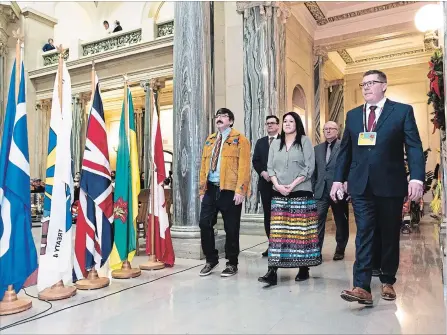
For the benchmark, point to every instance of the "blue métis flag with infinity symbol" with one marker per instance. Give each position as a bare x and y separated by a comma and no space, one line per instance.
18,256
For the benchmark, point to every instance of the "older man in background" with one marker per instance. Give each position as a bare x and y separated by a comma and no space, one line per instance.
325,159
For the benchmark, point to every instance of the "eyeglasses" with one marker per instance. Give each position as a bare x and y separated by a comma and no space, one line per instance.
371,83
221,115
270,123
329,129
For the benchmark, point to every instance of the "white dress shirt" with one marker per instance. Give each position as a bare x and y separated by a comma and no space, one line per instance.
378,111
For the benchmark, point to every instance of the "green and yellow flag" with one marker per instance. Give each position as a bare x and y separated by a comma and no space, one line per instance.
127,188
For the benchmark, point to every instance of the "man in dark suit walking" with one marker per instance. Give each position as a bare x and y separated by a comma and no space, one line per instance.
325,158
371,159
260,158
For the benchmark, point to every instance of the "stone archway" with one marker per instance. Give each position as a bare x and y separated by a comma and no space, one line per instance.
299,105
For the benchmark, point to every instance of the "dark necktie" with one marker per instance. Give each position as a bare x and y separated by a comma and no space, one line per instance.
328,151
271,140
372,118
216,153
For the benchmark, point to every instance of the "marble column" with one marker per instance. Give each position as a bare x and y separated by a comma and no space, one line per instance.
335,102
146,132
264,73
319,90
192,107
77,133
139,124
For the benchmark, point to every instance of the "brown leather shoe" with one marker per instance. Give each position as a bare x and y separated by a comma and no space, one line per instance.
388,292
357,294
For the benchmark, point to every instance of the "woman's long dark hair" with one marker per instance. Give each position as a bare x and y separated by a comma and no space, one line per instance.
299,131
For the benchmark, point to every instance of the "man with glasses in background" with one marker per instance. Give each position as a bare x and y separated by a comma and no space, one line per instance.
371,160
223,186
260,159
325,159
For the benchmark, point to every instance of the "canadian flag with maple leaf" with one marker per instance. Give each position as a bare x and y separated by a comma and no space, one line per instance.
164,250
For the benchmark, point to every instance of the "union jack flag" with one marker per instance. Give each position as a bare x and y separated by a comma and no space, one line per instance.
93,243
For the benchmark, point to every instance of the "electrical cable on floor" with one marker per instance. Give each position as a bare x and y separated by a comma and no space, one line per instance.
37,317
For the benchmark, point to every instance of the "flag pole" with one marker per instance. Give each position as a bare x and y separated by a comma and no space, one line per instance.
10,304
58,291
93,281
126,270
153,263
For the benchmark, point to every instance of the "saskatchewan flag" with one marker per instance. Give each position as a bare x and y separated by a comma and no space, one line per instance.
127,188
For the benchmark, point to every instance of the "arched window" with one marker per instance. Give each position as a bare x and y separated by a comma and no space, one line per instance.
299,104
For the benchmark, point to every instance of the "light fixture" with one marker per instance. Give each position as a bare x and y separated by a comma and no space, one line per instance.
429,18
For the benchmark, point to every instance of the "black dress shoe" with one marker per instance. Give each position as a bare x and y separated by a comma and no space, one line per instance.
265,253
303,274
270,278
338,256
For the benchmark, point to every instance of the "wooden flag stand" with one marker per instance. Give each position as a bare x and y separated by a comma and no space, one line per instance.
58,291
10,304
153,263
126,271
93,281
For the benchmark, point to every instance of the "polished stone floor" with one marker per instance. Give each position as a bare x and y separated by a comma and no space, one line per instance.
177,300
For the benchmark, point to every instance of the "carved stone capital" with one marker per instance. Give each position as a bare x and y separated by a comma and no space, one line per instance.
266,8
145,85
328,84
3,49
156,84
321,51
7,12
44,105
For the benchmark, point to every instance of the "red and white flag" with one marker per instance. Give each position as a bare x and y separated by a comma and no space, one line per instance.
164,251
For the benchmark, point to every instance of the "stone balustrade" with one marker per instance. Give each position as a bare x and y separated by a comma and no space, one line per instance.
51,57
114,41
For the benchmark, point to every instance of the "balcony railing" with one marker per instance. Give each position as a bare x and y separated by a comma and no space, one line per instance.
51,57
114,41
165,29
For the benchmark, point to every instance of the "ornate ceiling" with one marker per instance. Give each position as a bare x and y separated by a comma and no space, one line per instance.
357,35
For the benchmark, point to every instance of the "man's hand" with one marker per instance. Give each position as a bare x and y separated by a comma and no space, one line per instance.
238,198
415,191
201,198
283,190
336,187
265,175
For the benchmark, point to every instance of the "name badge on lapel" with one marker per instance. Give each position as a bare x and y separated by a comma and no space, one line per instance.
367,138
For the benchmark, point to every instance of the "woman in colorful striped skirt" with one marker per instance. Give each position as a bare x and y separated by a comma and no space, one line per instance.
293,241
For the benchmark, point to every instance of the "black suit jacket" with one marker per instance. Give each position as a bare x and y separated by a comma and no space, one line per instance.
260,159
381,166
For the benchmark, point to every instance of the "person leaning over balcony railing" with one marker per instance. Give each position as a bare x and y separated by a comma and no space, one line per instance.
117,27
49,46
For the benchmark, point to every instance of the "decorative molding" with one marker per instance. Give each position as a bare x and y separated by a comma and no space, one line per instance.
389,56
115,41
370,10
321,19
165,29
52,57
431,41
316,12
345,56
265,8
31,13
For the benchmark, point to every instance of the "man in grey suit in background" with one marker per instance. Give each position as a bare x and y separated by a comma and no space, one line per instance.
325,159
